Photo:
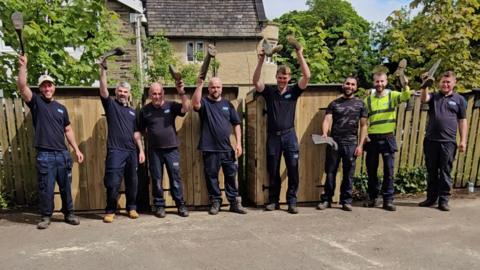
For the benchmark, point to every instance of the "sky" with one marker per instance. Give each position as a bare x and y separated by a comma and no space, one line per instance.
371,10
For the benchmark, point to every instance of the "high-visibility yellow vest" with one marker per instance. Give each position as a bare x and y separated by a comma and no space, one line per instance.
382,114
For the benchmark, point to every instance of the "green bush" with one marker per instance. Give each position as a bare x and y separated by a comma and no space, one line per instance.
4,200
410,180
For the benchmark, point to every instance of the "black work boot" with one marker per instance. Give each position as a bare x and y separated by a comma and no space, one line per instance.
443,206
182,210
292,209
214,208
236,207
72,219
371,203
160,212
389,206
347,207
324,205
428,202
43,224
272,206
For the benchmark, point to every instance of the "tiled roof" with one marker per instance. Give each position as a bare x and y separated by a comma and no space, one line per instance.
205,18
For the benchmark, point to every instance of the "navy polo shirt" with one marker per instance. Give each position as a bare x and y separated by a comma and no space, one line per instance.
217,119
443,115
281,107
121,124
160,124
49,121
346,113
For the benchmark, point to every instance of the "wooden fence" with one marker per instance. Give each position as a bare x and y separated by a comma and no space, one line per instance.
17,155
17,166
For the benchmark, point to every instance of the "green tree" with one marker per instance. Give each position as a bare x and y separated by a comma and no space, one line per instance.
443,29
50,27
337,41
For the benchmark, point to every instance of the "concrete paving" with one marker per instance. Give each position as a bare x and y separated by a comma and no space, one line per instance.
367,238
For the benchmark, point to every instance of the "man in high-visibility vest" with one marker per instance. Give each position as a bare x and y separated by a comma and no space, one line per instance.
381,105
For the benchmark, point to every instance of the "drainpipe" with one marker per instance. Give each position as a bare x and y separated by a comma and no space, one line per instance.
138,33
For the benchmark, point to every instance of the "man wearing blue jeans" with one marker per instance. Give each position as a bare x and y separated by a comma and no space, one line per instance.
217,118
281,101
52,125
343,115
447,112
157,119
122,142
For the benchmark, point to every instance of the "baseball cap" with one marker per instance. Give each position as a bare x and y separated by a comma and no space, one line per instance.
44,78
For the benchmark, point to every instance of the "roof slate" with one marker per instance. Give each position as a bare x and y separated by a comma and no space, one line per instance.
205,18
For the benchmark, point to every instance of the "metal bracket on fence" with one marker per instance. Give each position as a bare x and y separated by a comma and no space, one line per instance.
265,187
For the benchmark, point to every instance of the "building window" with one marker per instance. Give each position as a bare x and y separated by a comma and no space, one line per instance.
195,51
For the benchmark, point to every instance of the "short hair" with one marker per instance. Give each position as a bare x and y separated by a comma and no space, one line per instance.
379,73
350,77
449,74
125,85
284,69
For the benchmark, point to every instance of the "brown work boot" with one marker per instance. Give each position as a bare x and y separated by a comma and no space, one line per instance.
133,214
400,73
294,42
108,218
270,49
175,74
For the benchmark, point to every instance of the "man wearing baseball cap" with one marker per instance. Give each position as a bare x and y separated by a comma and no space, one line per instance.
54,163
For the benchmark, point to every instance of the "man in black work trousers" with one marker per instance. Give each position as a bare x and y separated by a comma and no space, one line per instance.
157,118
343,115
52,126
446,112
217,118
122,142
281,101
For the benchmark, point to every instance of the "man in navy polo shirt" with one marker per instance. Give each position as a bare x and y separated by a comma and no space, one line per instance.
281,101
217,117
447,111
122,142
157,118
52,125
343,115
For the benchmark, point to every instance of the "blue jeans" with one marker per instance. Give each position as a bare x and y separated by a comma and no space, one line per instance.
439,167
288,144
170,158
227,161
121,163
346,154
54,166
386,147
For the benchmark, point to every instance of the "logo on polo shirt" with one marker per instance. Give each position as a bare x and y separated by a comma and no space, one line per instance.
166,111
225,108
287,96
452,103
131,113
60,111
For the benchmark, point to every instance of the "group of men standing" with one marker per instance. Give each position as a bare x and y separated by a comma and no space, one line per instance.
219,118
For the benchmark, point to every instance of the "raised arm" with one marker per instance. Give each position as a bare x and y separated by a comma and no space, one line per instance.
181,92
25,91
424,96
197,95
103,82
259,86
71,140
303,82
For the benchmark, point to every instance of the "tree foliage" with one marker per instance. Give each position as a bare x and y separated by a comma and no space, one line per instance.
443,29
50,27
337,41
